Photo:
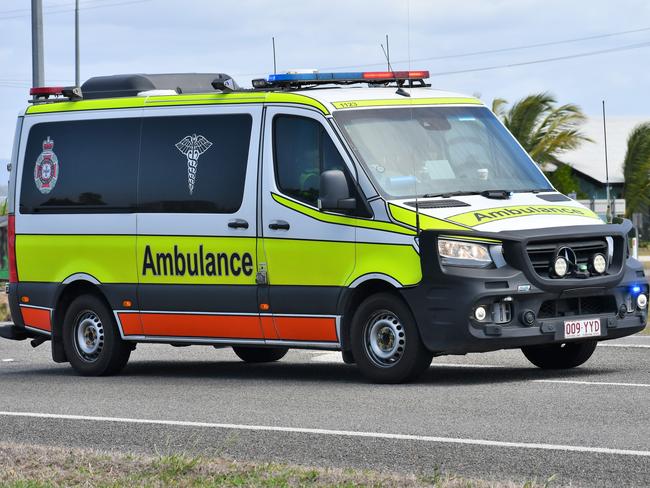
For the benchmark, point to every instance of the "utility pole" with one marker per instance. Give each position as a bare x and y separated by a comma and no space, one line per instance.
37,43
77,62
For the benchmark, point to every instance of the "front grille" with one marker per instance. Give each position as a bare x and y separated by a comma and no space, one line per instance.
569,307
541,254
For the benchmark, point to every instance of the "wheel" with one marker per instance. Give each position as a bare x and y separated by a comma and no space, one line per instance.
560,356
385,341
91,339
260,354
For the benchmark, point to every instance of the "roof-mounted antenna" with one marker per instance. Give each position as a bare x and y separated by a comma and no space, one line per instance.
387,54
400,91
608,214
275,68
405,93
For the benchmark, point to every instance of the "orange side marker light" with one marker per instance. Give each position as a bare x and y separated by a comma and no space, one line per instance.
265,306
127,303
24,299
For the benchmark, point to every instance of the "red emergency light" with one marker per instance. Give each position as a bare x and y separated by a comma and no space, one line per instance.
398,75
62,93
46,91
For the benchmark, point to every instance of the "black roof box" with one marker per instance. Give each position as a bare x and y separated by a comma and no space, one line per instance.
130,85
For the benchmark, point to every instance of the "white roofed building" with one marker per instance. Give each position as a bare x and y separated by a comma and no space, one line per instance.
588,161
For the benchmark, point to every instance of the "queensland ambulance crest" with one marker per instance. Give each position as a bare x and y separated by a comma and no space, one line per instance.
46,170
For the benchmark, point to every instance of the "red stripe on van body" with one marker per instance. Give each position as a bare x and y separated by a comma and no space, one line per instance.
38,318
316,329
131,323
268,328
199,325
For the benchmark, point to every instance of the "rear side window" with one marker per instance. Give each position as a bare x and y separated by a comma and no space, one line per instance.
303,150
81,166
194,164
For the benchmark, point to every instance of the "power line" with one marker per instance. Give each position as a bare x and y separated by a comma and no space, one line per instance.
60,10
65,5
508,65
504,49
13,11
545,60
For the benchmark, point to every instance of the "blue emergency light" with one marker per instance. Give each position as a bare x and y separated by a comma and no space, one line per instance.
351,76
316,78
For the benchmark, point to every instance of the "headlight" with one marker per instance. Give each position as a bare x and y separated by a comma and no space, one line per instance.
462,253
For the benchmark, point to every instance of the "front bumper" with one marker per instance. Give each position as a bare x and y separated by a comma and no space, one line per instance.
444,302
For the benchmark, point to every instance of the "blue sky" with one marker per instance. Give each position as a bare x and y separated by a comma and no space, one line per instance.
121,36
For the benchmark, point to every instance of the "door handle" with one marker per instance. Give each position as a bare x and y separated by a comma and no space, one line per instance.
238,224
279,225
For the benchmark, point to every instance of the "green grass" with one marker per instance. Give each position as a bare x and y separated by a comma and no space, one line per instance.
51,467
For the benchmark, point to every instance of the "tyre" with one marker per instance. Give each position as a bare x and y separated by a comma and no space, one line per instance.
385,341
91,338
560,356
260,354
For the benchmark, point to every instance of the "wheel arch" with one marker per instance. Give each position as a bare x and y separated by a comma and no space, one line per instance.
357,292
71,287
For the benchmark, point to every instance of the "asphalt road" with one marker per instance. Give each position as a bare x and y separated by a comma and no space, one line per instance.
490,416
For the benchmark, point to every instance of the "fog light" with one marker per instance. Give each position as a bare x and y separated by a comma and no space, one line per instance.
642,301
480,313
560,267
599,263
622,311
528,317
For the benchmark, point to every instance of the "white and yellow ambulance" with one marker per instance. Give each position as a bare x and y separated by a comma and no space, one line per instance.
361,212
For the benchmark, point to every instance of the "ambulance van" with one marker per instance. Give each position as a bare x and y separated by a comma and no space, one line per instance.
357,212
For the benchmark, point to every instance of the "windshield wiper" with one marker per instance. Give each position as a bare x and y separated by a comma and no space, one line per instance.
497,194
494,194
534,190
450,194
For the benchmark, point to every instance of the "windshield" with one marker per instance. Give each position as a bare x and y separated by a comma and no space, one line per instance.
438,150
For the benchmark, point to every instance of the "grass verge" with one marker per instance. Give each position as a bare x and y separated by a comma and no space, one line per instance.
23,466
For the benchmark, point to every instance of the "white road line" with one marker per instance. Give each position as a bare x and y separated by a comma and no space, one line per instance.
345,433
460,365
631,346
596,383
8,360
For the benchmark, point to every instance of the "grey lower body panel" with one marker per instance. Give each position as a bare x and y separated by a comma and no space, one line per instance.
444,311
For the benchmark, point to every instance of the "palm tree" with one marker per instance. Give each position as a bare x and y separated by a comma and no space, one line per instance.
544,129
636,169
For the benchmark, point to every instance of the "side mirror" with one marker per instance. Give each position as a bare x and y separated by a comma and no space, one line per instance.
334,191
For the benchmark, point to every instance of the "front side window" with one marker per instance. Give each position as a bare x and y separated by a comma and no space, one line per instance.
437,150
81,166
194,164
303,150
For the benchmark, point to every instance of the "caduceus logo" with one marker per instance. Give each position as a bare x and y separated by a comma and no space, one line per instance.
192,147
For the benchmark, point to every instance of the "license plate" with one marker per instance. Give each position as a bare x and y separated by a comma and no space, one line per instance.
581,328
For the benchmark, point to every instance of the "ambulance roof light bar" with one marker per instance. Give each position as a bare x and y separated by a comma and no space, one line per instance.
43,93
296,80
